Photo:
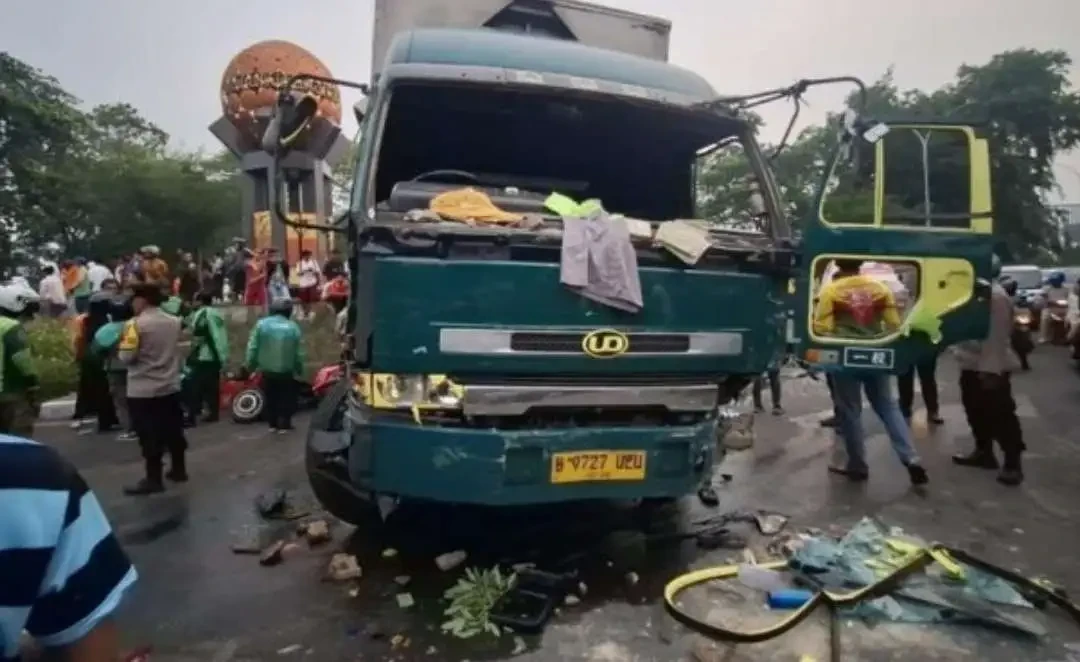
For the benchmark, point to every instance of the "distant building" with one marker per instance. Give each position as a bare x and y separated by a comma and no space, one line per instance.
1072,223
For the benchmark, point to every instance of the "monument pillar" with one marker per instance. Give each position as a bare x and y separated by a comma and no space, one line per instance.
249,90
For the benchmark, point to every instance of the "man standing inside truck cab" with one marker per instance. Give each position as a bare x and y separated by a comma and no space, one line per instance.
866,308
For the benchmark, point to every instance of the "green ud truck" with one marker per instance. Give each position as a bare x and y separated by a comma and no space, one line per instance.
478,377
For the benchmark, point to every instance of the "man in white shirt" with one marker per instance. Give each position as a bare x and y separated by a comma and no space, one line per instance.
98,274
308,275
51,290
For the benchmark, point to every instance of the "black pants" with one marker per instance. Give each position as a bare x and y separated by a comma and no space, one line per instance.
93,397
773,375
905,385
337,303
205,389
280,405
159,423
991,413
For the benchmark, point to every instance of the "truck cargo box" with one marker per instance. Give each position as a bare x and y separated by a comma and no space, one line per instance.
589,24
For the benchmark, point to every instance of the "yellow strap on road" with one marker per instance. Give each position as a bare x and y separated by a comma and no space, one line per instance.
914,562
679,584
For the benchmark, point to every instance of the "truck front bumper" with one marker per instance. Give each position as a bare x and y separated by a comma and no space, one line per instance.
514,467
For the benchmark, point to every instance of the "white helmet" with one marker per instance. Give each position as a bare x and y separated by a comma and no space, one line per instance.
17,296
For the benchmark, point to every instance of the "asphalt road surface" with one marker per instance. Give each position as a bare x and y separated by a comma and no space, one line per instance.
198,601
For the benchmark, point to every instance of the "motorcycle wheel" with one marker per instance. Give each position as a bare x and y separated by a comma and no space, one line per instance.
247,406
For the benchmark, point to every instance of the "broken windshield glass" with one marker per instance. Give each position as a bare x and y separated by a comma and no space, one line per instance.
518,147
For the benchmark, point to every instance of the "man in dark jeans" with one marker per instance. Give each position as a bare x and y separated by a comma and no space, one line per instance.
830,420
986,393
773,375
928,383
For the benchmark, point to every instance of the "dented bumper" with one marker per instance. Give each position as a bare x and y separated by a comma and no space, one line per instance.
515,467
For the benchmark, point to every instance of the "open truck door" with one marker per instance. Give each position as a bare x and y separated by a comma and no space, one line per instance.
912,202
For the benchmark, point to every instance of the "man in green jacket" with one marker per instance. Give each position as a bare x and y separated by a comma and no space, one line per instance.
209,354
276,349
19,403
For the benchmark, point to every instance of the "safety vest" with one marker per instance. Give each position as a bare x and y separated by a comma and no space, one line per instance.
6,324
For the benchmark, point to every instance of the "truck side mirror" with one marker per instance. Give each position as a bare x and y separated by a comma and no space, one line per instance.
359,110
291,116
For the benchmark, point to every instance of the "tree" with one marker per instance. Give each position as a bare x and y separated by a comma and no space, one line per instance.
343,179
100,183
39,129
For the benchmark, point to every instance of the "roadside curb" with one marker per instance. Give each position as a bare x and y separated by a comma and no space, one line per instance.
59,409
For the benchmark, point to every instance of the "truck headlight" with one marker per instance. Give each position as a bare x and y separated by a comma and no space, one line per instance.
390,391
399,390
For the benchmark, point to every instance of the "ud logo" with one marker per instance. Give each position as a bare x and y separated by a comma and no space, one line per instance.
605,343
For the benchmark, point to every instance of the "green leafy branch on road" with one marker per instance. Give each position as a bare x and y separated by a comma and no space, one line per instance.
471,600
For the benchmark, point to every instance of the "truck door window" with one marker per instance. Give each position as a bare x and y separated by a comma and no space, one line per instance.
849,192
862,300
927,178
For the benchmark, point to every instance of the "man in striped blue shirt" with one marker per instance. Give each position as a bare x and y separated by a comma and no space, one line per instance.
62,571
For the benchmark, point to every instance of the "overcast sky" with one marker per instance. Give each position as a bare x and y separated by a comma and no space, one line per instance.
166,57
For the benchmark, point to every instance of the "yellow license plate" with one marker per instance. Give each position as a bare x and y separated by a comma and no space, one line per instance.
590,466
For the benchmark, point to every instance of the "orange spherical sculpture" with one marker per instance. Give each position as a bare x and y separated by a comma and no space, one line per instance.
251,82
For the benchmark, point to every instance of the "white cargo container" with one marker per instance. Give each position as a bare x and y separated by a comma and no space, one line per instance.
593,25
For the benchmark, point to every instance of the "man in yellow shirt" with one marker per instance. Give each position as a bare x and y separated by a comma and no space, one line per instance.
854,305
857,306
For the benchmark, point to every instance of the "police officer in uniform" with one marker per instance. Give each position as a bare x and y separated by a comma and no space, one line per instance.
150,346
19,404
986,392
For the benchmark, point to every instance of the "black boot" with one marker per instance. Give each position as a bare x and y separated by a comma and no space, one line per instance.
979,459
151,484
917,474
177,468
1012,473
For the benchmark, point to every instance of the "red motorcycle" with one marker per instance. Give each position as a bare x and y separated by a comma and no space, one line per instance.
242,393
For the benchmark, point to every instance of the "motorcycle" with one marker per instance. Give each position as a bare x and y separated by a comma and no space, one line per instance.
1057,310
242,394
1023,327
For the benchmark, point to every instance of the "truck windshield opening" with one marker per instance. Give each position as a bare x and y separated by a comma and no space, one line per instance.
637,158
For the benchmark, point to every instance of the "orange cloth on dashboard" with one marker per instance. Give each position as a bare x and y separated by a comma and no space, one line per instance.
468,204
858,301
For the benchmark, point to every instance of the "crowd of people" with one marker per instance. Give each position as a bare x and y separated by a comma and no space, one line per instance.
237,274
104,391
986,367
863,299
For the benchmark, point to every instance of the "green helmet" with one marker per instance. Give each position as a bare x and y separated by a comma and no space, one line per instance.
995,266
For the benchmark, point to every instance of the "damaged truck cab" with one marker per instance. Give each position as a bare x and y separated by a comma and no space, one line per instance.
480,376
